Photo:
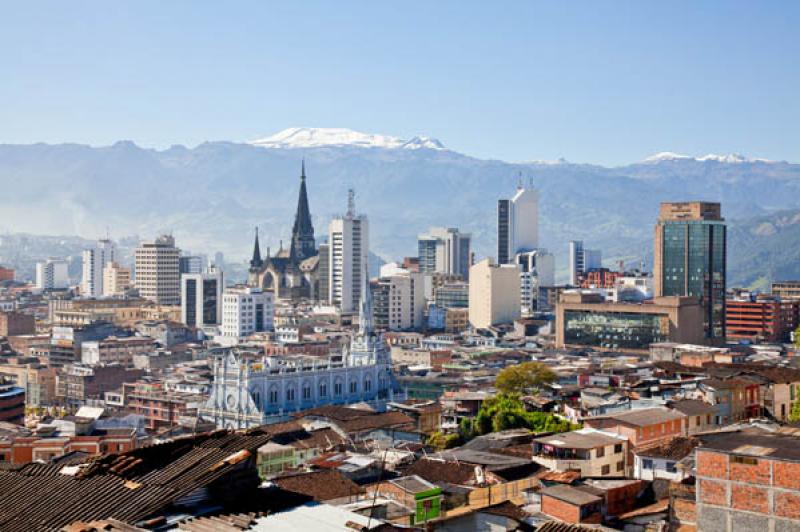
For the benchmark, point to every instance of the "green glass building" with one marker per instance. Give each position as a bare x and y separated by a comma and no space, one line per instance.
690,259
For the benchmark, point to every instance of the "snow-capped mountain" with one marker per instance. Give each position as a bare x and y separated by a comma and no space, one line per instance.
310,137
211,196
731,158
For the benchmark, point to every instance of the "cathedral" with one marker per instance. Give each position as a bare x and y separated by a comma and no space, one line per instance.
292,274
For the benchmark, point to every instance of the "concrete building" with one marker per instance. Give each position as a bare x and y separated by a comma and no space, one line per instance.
192,264
12,402
6,274
593,453
94,261
537,269
114,350
760,319
201,298
399,301
246,310
690,259
348,241
748,480
116,279
444,250
587,320
582,260
517,224
52,274
493,294
786,289
158,271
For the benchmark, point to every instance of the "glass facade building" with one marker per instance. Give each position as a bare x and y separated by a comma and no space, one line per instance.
614,330
690,259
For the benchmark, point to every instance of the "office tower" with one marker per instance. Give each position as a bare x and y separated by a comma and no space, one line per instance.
493,294
201,297
537,269
690,259
219,260
444,250
517,224
52,274
398,301
348,241
94,260
323,277
246,310
116,279
581,260
191,264
158,271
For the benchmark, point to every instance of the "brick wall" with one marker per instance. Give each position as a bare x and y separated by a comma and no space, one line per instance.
758,473
712,492
787,505
560,510
786,475
750,498
712,465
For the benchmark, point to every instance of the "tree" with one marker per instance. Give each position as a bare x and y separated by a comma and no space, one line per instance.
525,378
505,412
797,337
794,414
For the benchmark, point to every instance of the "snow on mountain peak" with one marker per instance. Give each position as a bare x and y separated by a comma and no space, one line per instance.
730,158
310,137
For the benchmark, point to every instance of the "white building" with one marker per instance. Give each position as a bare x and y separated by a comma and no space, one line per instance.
245,310
494,294
348,241
158,271
94,261
537,269
444,250
52,274
582,260
252,389
201,298
517,224
399,301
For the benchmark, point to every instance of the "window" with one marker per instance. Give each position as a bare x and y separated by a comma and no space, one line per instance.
605,470
617,448
744,460
290,394
337,389
620,465
368,385
647,464
353,386
323,389
671,467
601,452
306,391
273,396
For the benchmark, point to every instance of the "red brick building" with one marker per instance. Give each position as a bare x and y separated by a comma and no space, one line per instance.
751,478
161,409
16,323
572,505
24,449
6,274
762,320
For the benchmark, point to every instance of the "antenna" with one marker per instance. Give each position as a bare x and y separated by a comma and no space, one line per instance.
351,203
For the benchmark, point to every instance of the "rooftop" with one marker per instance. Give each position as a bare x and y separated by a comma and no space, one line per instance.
570,495
581,439
643,416
753,443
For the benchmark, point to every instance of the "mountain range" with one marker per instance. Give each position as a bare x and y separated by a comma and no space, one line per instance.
213,195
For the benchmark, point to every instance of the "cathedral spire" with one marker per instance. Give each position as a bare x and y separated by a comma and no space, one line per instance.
303,244
256,261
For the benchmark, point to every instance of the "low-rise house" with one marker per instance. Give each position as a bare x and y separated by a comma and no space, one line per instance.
572,505
593,453
700,415
328,486
643,425
415,493
661,460
736,398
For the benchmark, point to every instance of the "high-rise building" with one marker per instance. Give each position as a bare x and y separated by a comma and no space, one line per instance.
690,259
582,260
348,241
116,279
537,269
94,260
494,294
52,274
517,224
323,276
398,301
444,250
192,264
246,310
201,298
158,271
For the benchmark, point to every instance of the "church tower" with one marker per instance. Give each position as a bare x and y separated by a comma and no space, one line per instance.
303,244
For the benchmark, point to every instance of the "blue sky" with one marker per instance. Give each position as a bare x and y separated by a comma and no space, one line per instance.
601,82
